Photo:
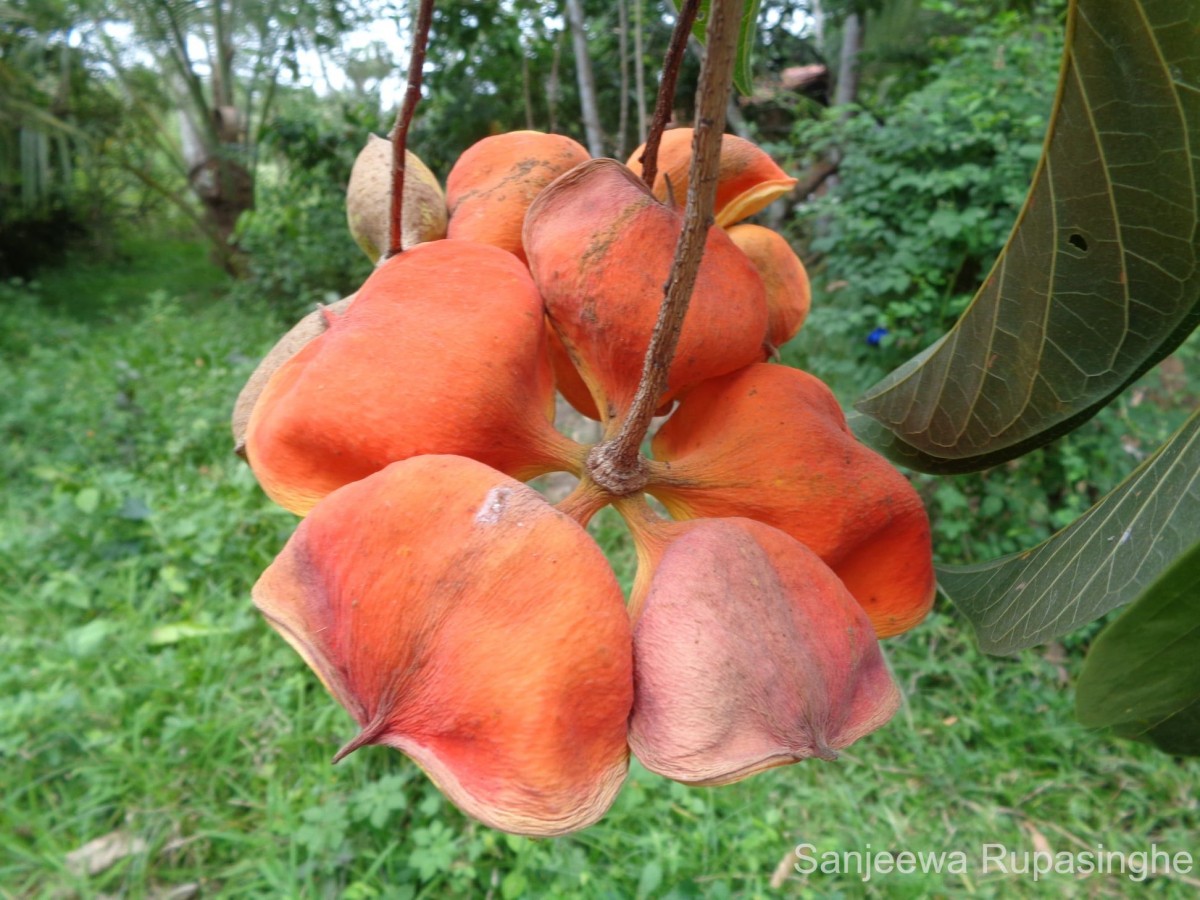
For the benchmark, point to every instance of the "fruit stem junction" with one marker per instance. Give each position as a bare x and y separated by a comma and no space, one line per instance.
399,135
616,464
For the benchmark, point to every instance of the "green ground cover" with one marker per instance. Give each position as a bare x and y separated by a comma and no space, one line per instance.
141,694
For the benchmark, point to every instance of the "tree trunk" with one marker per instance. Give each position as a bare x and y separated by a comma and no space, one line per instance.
552,85
823,174
818,20
847,76
587,83
222,184
622,149
639,69
526,93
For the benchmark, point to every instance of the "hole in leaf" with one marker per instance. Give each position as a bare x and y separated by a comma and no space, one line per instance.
1078,240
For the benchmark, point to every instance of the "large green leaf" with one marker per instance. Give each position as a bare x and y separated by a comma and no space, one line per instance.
1100,278
876,435
1142,676
743,76
1106,558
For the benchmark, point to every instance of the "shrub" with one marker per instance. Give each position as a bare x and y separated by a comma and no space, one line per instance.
298,248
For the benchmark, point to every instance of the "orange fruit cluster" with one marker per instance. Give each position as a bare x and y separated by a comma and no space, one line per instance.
460,617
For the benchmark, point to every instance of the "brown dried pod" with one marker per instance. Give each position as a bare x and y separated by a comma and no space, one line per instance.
442,351
369,200
747,180
462,620
314,324
494,181
600,248
771,443
749,653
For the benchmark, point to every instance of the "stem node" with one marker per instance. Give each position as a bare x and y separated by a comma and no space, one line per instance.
615,471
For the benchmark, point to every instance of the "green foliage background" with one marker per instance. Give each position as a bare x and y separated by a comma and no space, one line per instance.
298,249
927,191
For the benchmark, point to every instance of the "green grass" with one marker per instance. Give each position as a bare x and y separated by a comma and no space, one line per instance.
140,692
88,287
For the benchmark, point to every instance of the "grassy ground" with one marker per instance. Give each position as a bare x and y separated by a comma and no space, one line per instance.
142,697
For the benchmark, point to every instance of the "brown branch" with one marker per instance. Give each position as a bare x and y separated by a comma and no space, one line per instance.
617,465
666,89
817,174
399,136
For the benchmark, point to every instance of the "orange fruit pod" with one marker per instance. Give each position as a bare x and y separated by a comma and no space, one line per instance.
600,249
567,378
747,180
571,384
771,443
749,653
494,181
490,188
784,277
442,351
462,620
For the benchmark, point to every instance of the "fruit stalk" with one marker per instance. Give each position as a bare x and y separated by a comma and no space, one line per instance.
616,464
666,90
399,135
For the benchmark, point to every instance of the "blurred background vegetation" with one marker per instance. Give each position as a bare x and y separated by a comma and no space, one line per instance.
171,199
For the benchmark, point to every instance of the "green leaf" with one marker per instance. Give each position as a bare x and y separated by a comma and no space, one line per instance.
874,434
90,638
175,582
1142,675
173,633
87,501
514,885
1100,278
743,76
1106,558
651,878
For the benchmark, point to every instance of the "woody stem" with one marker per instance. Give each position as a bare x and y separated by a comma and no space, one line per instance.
399,134
672,62
616,464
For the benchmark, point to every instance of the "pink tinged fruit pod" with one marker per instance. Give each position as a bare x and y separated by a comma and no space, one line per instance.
568,380
464,621
771,443
749,654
